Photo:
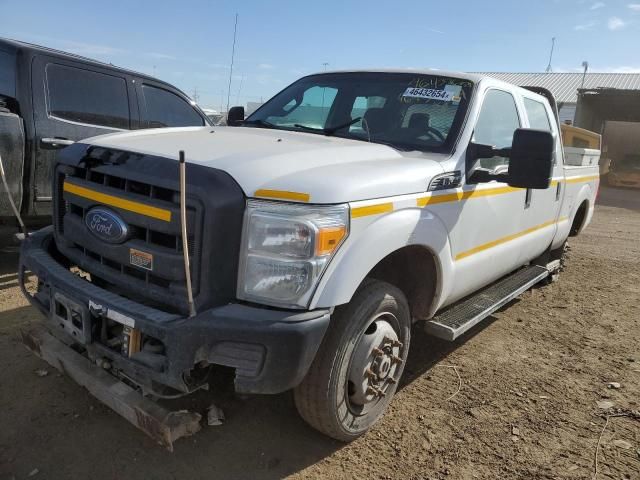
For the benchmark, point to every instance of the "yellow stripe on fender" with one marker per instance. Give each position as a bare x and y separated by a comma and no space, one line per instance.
463,195
500,241
455,196
283,195
371,210
118,202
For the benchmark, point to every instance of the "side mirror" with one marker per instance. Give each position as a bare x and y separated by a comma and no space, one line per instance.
531,159
235,117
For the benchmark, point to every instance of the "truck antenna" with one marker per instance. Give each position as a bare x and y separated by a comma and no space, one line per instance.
183,225
553,44
233,53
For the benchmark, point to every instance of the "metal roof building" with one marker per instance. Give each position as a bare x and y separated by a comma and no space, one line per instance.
564,86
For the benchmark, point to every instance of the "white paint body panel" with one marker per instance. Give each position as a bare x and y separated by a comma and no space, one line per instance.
293,161
474,240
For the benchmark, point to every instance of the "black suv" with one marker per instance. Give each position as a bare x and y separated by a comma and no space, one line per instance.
50,99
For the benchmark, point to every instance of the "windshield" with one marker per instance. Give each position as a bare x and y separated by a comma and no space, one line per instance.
405,110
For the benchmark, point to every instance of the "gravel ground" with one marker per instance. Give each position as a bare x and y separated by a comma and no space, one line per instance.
531,378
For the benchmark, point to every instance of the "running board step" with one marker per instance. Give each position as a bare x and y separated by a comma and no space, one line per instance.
462,316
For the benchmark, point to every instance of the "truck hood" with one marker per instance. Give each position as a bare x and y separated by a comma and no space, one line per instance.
327,169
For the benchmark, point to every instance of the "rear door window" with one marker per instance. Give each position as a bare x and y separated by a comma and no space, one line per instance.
166,109
87,97
537,114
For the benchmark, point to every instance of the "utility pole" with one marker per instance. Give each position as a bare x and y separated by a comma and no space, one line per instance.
553,44
195,94
325,64
233,53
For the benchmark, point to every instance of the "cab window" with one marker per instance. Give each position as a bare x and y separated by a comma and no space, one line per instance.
497,122
537,115
166,109
87,97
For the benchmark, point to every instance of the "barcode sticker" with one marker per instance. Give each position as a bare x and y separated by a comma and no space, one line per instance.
444,95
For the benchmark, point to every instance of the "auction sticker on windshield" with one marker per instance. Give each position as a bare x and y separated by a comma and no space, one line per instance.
444,95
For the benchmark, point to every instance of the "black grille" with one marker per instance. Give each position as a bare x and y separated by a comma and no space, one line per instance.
215,207
160,239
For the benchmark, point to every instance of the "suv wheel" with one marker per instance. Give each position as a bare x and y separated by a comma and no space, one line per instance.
356,371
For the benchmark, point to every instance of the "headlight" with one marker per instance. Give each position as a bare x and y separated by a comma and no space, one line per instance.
285,249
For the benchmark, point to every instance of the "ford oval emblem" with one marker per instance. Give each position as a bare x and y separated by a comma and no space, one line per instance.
106,225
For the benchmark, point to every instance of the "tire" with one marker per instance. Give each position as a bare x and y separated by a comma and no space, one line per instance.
329,399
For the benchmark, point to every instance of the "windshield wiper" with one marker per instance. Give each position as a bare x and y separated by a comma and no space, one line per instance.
329,130
259,122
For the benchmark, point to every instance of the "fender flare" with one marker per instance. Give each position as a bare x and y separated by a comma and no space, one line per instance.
366,247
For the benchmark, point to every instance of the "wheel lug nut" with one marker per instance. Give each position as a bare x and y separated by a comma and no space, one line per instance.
375,391
392,381
370,374
396,359
392,341
377,351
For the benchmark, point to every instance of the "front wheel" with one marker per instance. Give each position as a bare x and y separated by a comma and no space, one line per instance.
356,371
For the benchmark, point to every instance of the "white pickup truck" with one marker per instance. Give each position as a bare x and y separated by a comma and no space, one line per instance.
319,230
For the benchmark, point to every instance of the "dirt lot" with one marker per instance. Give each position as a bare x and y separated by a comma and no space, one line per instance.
531,377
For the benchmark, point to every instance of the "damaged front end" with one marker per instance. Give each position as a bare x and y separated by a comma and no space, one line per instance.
117,302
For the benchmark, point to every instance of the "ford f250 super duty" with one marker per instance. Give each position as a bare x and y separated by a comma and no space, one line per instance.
300,245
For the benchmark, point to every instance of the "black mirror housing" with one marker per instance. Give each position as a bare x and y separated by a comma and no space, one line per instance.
235,117
476,151
531,159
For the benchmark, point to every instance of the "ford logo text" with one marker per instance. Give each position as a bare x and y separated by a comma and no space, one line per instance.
106,225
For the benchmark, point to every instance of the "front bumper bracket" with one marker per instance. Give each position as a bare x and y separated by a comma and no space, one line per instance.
162,425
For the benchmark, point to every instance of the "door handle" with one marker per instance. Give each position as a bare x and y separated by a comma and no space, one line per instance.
55,143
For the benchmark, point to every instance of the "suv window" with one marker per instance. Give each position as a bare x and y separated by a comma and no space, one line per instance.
87,97
537,114
166,109
7,75
497,121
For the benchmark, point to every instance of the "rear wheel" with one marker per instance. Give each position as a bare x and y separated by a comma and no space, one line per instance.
356,371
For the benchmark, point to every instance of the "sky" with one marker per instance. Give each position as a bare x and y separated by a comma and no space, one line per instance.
189,43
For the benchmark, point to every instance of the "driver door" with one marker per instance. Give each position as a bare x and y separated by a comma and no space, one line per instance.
489,217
